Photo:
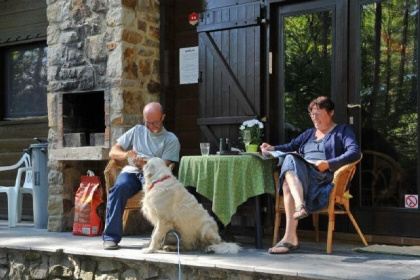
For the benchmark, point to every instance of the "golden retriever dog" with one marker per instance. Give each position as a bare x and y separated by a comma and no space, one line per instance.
169,206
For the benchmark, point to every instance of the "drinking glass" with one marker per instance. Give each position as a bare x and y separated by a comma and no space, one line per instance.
205,149
247,138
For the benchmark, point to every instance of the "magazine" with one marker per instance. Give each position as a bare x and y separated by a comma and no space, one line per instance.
280,154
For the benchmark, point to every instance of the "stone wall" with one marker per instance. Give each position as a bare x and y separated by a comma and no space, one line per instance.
97,45
20,264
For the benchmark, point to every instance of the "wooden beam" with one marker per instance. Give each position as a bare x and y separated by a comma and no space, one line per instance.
224,120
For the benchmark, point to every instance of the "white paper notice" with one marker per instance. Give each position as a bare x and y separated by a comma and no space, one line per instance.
188,65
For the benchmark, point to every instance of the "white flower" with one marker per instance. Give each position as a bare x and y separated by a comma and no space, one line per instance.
256,127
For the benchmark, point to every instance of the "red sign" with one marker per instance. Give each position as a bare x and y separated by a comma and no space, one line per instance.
411,201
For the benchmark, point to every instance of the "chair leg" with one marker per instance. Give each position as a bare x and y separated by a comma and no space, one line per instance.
125,217
19,207
356,226
331,225
11,208
277,219
315,222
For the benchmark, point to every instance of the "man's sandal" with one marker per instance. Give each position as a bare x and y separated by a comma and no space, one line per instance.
300,212
290,247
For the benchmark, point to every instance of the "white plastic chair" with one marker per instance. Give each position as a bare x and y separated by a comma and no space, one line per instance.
14,193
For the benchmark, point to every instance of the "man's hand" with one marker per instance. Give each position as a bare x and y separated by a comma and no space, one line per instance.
139,162
131,154
118,153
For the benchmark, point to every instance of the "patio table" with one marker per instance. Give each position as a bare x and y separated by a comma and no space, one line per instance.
228,181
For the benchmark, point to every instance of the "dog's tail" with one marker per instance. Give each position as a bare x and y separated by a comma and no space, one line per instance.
224,248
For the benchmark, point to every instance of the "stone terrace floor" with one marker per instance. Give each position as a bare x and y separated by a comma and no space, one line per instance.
309,262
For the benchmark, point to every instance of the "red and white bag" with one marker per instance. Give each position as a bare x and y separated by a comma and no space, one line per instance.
89,207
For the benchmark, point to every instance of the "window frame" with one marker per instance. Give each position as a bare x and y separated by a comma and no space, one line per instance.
5,82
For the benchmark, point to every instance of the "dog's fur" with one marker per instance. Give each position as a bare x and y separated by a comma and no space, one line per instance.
169,206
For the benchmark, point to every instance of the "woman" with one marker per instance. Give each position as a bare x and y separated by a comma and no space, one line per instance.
306,187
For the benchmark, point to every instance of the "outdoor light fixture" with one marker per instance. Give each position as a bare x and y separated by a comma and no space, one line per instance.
193,18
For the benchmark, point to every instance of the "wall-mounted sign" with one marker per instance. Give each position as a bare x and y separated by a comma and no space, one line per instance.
412,201
188,65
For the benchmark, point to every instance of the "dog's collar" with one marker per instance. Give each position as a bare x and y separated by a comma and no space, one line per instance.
158,181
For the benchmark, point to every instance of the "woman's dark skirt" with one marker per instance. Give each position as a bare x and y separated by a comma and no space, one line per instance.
316,185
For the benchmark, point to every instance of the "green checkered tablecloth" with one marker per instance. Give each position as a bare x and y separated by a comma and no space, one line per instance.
228,181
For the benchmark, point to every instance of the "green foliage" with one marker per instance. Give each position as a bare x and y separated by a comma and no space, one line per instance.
389,77
308,50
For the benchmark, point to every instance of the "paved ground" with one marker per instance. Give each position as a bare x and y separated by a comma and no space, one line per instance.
309,262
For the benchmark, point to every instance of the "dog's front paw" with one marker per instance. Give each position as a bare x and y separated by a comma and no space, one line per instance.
170,248
148,250
210,250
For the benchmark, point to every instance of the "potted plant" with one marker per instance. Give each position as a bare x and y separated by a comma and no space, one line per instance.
251,132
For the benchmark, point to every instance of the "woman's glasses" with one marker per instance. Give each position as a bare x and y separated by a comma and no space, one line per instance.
315,115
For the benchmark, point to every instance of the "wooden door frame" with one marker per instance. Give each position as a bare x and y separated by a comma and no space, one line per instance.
339,77
339,88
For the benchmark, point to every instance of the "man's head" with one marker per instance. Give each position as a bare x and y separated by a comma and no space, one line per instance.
153,117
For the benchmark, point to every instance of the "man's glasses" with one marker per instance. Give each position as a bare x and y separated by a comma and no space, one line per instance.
155,123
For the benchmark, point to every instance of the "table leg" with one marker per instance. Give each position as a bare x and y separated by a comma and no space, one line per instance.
258,225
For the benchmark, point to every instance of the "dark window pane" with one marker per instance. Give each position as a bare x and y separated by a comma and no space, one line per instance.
308,45
389,95
26,81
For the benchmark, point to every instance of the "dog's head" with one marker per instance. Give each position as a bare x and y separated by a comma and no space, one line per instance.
154,169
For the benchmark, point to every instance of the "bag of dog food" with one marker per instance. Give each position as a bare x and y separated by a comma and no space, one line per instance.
89,207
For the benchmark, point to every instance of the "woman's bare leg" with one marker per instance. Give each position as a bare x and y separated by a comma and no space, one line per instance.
292,196
297,192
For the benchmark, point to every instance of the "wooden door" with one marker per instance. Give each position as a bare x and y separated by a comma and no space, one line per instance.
308,45
229,70
309,60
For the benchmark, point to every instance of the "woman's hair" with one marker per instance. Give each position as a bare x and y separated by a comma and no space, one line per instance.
321,102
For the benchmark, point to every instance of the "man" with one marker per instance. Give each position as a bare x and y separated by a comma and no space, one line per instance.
136,145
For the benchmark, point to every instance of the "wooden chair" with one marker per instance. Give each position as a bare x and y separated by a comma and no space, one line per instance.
111,172
338,205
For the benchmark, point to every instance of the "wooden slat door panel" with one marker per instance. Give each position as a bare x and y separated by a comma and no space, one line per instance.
229,58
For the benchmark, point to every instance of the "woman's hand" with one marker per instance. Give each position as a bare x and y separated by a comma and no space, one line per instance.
266,147
322,165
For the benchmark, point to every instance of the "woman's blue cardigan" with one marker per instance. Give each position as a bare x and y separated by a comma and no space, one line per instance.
340,144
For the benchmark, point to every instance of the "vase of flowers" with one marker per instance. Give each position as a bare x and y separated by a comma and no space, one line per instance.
251,133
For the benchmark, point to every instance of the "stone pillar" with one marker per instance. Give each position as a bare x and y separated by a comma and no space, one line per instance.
112,46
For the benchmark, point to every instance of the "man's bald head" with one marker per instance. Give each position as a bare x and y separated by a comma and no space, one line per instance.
153,107
153,116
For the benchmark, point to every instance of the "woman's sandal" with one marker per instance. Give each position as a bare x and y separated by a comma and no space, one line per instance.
300,212
290,247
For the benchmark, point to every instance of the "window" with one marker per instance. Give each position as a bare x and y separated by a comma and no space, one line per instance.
389,101
25,81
